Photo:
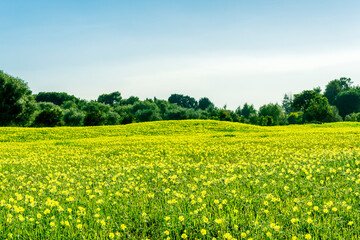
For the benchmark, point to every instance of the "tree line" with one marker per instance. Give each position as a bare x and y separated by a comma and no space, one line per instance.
19,107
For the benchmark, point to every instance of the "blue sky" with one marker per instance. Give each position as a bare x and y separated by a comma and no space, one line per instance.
230,51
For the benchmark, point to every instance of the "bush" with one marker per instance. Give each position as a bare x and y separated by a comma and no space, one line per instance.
72,117
265,121
353,117
94,118
129,118
112,118
295,118
48,118
253,118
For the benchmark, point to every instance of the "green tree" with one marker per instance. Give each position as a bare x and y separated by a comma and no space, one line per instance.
287,104
204,103
295,118
303,100
17,103
253,118
130,101
73,117
110,99
318,110
246,110
265,121
127,119
94,118
112,118
336,86
49,117
348,102
352,117
274,111
57,98
183,101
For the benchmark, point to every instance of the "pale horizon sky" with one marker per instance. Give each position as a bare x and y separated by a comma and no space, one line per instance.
229,51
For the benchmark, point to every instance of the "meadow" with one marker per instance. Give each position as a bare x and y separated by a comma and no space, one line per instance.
192,179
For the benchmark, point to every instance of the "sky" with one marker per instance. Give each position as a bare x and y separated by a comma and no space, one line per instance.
229,51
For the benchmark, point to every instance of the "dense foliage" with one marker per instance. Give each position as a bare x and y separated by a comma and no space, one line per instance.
340,101
17,104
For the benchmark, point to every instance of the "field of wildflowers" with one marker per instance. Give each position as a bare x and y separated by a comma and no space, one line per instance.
189,179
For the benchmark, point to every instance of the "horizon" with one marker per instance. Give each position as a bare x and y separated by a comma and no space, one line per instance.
232,52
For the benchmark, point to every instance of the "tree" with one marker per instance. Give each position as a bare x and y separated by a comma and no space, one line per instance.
73,117
274,111
265,121
110,99
253,118
17,103
336,86
94,118
49,117
57,98
295,118
127,119
112,118
130,101
287,104
177,114
224,115
246,110
204,103
348,102
352,117
183,101
318,110
303,100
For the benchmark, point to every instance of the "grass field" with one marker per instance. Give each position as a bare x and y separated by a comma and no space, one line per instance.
181,180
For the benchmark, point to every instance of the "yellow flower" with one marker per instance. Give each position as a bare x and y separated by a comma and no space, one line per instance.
52,224
184,236
307,236
181,218
21,218
350,223
122,226
227,236
111,235
203,232
79,226
103,223
218,221
167,232
243,235
294,220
